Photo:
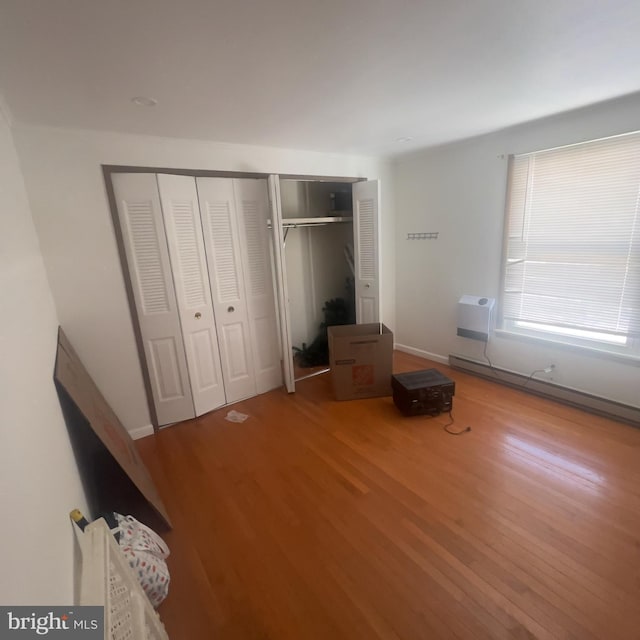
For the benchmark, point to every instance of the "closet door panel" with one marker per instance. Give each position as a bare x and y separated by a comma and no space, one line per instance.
181,212
206,375
267,350
224,258
237,362
252,201
367,310
275,209
365,213
166,369
149,268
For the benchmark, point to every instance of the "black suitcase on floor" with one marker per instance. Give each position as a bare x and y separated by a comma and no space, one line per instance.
425,392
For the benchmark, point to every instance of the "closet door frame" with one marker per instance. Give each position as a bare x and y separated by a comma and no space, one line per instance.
110,169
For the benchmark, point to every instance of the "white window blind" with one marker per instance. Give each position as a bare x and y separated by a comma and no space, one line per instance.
572,258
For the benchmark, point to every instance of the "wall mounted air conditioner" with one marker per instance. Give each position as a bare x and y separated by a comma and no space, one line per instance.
474,317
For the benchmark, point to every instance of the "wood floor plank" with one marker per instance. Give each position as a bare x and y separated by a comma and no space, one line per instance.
345,520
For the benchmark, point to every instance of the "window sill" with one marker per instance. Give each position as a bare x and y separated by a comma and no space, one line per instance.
596,352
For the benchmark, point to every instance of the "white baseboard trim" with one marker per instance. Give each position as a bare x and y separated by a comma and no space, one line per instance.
567,395
141,432
421,354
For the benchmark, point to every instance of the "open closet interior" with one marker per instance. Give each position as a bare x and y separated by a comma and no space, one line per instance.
326,257
317,219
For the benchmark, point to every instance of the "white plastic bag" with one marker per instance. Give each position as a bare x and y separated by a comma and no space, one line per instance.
146,552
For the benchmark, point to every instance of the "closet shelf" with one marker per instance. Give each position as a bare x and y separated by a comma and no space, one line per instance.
312,222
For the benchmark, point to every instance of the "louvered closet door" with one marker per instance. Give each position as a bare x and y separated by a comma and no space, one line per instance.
280,265
224,259
149,268
252,203
365,230
188,263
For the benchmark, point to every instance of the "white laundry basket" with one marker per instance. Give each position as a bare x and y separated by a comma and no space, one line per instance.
108,580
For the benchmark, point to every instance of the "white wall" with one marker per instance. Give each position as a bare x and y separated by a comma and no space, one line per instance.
67,196
458,190
39,482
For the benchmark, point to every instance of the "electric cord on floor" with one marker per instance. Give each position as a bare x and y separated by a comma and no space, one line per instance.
450,431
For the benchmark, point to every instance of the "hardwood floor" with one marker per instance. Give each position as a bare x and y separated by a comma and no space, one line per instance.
330,520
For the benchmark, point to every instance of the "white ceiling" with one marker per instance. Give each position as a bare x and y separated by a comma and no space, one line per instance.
338,75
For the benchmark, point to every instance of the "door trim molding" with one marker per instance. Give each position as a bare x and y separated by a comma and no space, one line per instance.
108,169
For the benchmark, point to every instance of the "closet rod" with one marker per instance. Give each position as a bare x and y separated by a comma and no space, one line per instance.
311,222
294,225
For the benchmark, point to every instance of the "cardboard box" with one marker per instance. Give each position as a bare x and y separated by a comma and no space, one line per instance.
360,359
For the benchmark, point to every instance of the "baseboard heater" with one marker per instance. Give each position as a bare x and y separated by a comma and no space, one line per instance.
580,399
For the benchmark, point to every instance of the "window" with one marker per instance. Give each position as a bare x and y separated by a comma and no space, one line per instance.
571,268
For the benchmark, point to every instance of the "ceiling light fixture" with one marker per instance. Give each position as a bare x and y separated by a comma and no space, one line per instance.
404,139
143,101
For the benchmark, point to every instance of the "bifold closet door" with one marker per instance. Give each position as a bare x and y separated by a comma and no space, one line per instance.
252,203
226,274
366,198
149,267
234,219
275,209
181,214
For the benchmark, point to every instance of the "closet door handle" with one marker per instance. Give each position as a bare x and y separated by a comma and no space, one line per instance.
230,309
198,315
367,285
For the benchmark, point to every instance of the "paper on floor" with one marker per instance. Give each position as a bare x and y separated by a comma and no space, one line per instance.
236,416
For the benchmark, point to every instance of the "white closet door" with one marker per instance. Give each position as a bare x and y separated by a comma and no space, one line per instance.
275,208
252,203
224,258
147,255
186,249
366,198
